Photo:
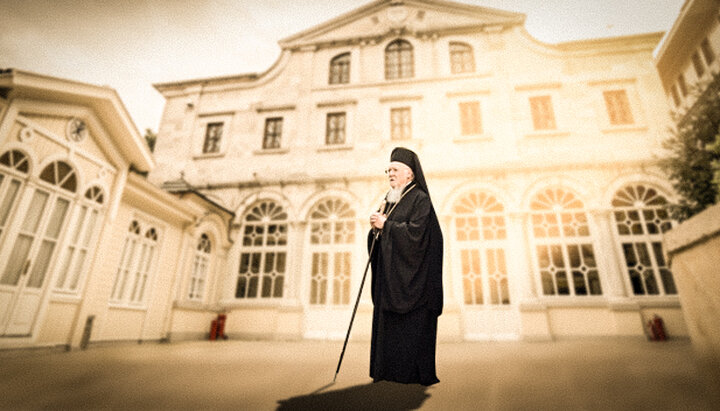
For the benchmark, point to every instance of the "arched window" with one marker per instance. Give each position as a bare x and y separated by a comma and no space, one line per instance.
15,160
72,263
641,219
264,252
332,237
201,262
32,238
43,220
462,59
135,264
10,184
340,69
399,62
481,234
563,244
60,174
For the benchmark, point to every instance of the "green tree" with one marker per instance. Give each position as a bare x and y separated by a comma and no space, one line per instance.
693,163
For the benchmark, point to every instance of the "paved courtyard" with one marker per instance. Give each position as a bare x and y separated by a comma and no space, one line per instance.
607,374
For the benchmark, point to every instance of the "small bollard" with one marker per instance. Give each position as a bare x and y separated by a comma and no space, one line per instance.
86,332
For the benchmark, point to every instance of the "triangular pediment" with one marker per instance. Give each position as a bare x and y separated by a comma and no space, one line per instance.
383,17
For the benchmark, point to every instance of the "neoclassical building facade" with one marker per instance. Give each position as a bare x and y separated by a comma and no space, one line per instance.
540,161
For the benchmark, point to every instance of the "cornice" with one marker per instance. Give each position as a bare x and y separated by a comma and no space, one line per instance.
305,38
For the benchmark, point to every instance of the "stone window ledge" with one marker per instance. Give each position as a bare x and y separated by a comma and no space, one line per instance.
271,151
623,128
473,138
207,156
335,147
547,133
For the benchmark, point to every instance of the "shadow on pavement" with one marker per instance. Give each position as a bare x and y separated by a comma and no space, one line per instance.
382,395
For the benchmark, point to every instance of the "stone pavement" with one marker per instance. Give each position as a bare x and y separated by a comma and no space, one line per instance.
605,374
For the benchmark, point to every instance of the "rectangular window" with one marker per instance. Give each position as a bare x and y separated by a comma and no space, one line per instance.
470,119
340,69
542,113
698,64
273,133
335,129
76,252
707,52
618,107
213,134
197,277
682,85
461,58
675,96
400,123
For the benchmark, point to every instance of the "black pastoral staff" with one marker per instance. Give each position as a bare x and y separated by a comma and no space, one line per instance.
406,277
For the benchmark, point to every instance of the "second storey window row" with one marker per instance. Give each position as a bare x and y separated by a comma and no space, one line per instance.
618,105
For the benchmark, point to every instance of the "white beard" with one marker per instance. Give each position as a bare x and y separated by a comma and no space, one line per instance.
393,196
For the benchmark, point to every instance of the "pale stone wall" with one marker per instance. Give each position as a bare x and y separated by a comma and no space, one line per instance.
58,323
694,246
585,154
697,22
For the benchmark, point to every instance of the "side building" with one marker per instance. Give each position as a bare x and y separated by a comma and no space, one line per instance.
540,158
687,57
91,252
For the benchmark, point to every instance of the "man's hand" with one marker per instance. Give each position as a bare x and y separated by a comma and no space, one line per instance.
377,220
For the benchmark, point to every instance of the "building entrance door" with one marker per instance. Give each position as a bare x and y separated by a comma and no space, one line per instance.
329,311
332,239
27,252
479,231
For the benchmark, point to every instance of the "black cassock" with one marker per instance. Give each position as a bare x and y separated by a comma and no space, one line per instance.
406,292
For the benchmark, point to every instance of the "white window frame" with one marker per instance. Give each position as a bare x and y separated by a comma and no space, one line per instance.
201,267
485,206
201,127
87,221
331,207
263,249
136,267
625,194
564,241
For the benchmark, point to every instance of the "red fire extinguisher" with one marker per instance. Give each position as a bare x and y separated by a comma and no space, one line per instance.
213,330
657,329
221,326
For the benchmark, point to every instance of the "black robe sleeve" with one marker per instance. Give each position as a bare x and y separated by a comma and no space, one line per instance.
407,261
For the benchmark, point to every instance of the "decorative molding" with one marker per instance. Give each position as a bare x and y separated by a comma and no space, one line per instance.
467,93
624,128
285,107
474,138
208,155
337,103
26,134
265,151
607,82
335,147
216,113
547,133
537,86
392,99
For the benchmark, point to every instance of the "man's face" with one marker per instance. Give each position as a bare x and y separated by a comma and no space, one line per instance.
398,174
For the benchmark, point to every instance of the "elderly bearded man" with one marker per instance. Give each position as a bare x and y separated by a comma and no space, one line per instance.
406,277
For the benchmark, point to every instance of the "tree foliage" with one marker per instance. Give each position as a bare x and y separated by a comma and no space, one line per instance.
693,164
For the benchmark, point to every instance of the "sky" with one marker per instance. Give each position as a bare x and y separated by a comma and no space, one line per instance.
131,45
